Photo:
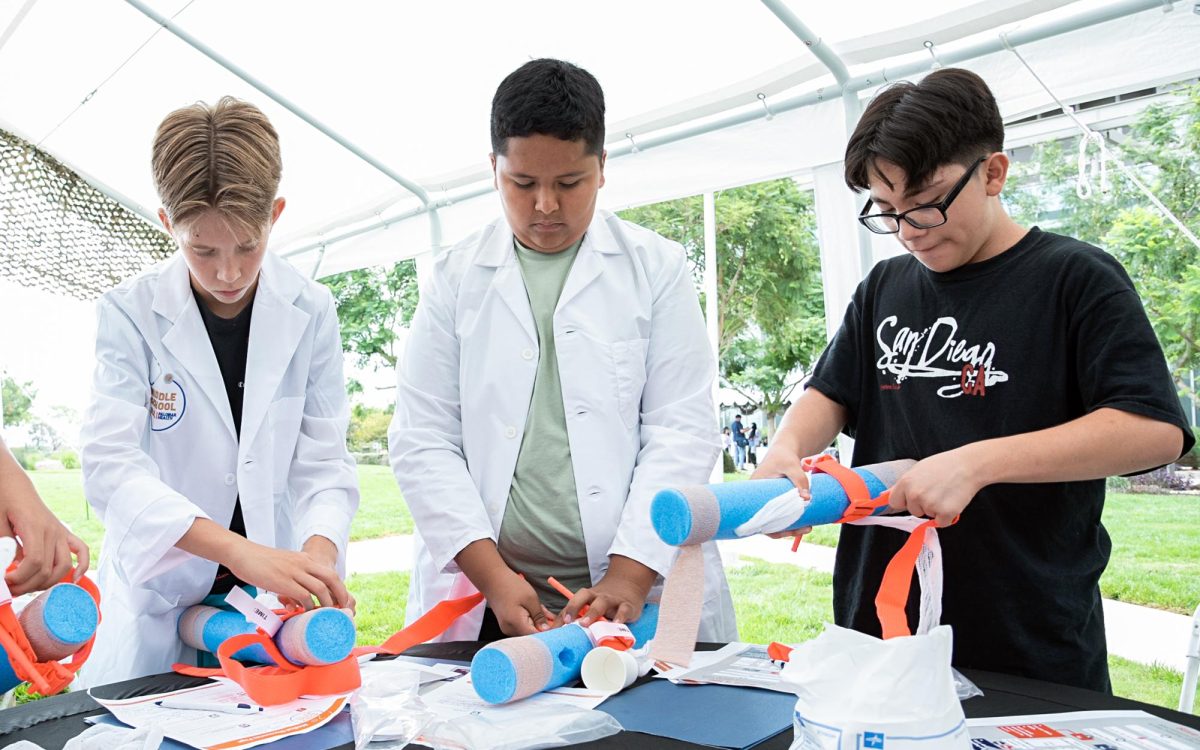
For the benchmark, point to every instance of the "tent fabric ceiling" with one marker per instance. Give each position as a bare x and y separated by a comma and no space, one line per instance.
411,84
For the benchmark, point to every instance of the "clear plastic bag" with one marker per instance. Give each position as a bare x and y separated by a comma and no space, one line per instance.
963,687
533,727
388,713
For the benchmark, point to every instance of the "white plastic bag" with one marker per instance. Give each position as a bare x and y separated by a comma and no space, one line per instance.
857,692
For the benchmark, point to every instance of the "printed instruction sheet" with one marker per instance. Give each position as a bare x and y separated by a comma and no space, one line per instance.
214,730
1082,730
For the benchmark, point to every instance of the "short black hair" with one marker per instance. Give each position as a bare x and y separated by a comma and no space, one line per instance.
549,97
950,117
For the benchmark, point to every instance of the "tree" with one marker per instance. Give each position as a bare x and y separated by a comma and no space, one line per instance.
18,400
1163,148
371,304
771,324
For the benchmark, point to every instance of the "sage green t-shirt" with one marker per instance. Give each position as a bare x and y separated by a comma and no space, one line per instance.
541,534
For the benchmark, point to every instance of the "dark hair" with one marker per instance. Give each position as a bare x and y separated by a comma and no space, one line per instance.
549,97
950,117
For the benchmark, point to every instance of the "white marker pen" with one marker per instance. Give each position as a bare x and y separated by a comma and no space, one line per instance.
224,708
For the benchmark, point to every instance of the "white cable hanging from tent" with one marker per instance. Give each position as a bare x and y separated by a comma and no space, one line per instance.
109,77
1083,185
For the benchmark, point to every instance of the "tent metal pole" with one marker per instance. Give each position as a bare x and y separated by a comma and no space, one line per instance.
820,50
712,312
853,85
15,22
435,226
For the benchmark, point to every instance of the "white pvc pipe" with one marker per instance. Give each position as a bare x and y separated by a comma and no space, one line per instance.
712,312
1187,696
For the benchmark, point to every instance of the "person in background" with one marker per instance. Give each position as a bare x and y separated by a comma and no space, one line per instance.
740,443
752,444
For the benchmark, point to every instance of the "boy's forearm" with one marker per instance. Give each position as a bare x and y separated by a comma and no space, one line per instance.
1106,442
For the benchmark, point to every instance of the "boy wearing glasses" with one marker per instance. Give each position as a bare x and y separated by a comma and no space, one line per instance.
1016,365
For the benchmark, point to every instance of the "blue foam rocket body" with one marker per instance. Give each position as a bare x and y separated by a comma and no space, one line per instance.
515,668
321,636
691,515
57,623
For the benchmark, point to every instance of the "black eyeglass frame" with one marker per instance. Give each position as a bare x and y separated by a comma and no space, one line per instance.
941,206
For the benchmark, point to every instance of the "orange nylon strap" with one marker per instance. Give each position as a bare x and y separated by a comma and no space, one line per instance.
861,505
46,678
426,627
892,599
282,683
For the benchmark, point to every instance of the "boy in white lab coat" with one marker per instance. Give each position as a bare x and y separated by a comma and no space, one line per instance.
214,448
557,375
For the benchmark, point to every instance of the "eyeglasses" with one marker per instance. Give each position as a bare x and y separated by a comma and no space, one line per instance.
922,217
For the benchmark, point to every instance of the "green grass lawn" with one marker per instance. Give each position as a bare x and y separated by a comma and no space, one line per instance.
381,512
1155,539
381,509
774,602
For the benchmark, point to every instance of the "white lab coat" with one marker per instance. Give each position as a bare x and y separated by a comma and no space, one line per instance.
149,477
636,370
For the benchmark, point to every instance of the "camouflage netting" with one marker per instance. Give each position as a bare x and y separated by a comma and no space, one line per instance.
59,233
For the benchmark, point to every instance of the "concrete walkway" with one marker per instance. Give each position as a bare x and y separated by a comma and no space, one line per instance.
1140,634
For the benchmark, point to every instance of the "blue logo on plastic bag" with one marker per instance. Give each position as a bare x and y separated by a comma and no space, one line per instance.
873,740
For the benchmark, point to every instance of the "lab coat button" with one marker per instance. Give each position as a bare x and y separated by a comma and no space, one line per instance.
510,432
229,480
527,354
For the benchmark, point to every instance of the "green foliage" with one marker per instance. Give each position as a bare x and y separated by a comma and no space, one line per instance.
371,304
18,400
368,429
27,457
771,323
1163,149
68,458
727,465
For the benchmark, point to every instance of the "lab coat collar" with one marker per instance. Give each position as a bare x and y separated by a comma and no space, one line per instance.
276,326
498,252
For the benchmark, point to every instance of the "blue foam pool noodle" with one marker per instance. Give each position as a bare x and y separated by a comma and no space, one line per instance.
515,668
691,515
320,636
57,623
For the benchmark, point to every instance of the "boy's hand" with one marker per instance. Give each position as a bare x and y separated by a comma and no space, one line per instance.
325,552
939,487
296,577
619,596
516,606
781,462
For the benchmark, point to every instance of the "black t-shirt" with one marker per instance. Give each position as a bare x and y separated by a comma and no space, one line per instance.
925,362
230,338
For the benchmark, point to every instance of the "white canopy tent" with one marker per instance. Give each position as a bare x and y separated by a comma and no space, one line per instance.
383,107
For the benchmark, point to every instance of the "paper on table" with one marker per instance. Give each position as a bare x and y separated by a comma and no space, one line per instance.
1082,730
213,730
738,664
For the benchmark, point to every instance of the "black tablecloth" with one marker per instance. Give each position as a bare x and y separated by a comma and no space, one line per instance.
50,722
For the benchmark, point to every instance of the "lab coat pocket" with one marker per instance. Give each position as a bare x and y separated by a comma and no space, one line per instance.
629,371
284,418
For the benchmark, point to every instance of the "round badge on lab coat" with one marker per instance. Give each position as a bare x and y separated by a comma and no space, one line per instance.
167,403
